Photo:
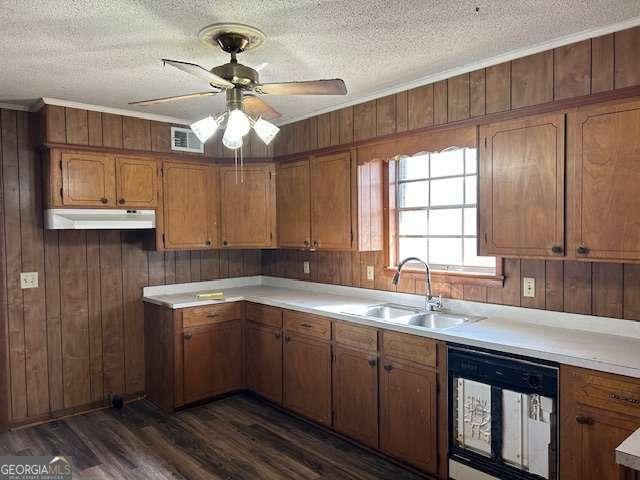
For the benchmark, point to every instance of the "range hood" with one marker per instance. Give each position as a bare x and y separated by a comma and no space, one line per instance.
98,219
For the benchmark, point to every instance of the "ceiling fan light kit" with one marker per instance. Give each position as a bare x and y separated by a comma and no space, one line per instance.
242,86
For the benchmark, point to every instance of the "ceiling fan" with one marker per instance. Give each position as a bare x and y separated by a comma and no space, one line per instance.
244,107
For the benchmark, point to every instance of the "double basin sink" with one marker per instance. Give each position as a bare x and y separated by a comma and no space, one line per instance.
413,317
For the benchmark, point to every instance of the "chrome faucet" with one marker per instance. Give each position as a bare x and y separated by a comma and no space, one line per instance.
431,303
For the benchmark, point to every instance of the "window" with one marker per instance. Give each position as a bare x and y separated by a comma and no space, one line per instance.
436,199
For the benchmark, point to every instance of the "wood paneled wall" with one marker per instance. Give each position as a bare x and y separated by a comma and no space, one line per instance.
603,289
589,67
75,126
79,336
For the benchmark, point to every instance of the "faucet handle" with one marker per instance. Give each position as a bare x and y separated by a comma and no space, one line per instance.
434,303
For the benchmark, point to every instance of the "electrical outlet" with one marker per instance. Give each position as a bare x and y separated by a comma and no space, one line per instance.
29,280
528,287
370,272
306,268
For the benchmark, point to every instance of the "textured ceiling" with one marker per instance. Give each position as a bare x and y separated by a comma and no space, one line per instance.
108,52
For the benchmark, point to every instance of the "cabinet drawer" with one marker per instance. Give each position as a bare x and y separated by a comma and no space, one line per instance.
409,347
363,338
264,315
208,314
606,391
307,324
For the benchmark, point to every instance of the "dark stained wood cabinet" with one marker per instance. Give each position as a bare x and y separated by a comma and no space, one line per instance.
307,375
136,182
521,187
193,353
87,179
263,347
189,204
603,179
294,210
408,400
248,206
355,394
597,412
331,202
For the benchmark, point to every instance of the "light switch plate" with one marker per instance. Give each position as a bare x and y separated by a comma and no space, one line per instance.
306,268
528,287
369,272
29,280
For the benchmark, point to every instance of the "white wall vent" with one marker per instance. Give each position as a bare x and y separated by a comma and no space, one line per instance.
184,140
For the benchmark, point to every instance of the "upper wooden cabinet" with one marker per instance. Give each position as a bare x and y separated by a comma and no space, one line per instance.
521,187
330,202
248,206
78,178
136,182
189,206
603,179
294,210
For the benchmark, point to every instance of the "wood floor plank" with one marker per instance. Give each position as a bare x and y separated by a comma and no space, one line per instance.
238,437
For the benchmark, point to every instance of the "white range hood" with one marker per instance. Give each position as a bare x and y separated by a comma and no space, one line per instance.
98,219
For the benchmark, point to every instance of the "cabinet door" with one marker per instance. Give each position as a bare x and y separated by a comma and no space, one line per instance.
248,204
88,179
188,206
197,363
294,215
307,377
604,174
355,395
136,182
264,362
521,203
408,419
226,347
599,433
331,211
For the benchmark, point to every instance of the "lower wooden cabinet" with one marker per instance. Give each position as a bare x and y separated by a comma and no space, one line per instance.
355,394
264,361
598,411
408,408
307,377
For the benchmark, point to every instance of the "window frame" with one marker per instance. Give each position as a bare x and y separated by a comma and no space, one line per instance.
426,142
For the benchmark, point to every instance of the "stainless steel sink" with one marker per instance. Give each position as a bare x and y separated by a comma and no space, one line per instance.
414,317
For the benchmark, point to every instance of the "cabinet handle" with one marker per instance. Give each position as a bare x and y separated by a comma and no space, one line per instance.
315,243
287,338
121,201
306,325
620,398
188,335
582,420
582,250
557,249
104,200
212,315
208,242
372,362
278,335
388,367
225,243
306,243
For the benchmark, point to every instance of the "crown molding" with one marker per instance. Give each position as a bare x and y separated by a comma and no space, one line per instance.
99,108
470,67
13,106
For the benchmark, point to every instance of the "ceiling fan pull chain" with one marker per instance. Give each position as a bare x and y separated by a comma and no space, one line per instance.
235,155
241,165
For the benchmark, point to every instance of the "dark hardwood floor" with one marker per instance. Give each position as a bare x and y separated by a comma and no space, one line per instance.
237,437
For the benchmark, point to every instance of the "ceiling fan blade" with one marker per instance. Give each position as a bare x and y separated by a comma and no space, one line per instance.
313,87
202,73
144,103
258,107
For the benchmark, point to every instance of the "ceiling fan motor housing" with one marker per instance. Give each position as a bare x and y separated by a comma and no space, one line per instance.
237,73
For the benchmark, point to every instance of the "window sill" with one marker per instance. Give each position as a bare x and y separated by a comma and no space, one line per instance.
468,278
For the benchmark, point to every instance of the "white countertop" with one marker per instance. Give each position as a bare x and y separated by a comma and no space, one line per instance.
628,452
604,344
